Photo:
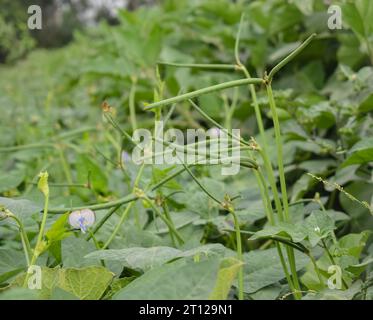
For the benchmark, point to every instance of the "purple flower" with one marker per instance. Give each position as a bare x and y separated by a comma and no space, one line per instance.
126,157
82,219
214,132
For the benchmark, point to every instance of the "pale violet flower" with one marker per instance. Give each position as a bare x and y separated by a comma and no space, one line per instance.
126,157
82,219
214,132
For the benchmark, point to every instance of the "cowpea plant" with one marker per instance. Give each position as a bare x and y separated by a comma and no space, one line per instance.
282,208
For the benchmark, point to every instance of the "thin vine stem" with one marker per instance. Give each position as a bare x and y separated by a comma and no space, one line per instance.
239,255
132,106
216,66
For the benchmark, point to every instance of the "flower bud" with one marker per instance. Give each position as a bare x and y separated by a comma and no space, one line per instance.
43,183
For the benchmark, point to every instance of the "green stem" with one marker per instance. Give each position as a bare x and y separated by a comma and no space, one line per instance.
27,146
270,217
264,145
199,65
259,120
190,95
131,104
285,268
25,241
239,256
168,216
278,140
36,252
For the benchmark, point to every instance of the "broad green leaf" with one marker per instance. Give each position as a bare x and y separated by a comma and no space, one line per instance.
319,226
118,284
329,294
228,270
58,231
358,16
23,209
263,268
87,283
11,180
137,258
294,232
353,244
359,268
362,191
74,249
11,260
143,259
208,250
10,274
55,234
361,152
60,294
19,294
183,280
49,280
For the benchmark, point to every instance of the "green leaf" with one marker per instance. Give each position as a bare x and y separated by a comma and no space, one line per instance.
228,270
329,294
358,16
22,208
180,280
74,249
11,180
55,234
58,231
137,258
319,226
361,152
353,244
294,232
49,280
19,294
263,268
11,260
359,268
87,284
144,259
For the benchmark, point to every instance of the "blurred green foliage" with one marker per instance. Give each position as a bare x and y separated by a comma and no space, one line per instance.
15,39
